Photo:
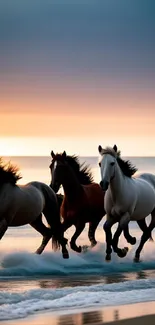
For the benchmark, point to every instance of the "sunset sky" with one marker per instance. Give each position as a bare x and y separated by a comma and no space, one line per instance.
76,74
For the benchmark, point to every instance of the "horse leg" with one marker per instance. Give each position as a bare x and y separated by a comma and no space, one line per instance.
145,236
91,232
56,228
44,231
131,240
143,226
107,228
3,227
123,223
79,227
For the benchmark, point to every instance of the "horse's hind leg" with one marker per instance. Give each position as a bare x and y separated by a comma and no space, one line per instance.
146,235
143,226
131,240
44,231
79,227
91,232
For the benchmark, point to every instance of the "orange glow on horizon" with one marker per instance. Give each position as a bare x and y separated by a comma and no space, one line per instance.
31,126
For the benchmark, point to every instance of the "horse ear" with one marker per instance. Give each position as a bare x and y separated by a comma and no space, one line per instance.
64,154
115,148
100,149
52,154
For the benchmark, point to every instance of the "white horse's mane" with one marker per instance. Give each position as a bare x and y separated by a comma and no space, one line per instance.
126,166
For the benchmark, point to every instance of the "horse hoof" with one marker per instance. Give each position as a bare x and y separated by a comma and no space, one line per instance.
79,249
136,259
65,255
108,258
76,248
38,251
85,248
122,252
133,241
93,244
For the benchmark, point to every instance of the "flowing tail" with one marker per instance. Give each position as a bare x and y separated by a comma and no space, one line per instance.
52,215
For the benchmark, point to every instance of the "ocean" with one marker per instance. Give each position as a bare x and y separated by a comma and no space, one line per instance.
30,283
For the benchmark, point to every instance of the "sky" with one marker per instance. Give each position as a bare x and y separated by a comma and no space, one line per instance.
76,74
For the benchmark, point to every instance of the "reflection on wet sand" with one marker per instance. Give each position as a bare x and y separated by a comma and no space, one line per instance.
86,318
18,285
139,314
141,275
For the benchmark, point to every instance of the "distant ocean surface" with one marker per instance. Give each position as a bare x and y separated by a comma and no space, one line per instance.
31,283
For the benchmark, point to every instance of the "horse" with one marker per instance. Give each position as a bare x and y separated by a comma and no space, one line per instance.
83,200
24,204
84,176
127,198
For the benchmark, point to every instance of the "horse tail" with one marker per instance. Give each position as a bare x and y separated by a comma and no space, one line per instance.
51,212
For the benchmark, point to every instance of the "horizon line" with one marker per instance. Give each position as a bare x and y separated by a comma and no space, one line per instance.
83,156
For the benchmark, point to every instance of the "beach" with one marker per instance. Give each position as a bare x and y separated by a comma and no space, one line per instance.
140,313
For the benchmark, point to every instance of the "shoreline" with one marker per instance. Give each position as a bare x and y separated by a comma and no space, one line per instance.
121,315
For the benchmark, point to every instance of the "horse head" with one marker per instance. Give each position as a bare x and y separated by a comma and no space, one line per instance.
56,167
107,165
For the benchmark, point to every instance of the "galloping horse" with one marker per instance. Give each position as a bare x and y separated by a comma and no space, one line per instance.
82,203
126,199
24,204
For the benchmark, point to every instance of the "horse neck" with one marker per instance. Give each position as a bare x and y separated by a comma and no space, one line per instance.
71,185
117,184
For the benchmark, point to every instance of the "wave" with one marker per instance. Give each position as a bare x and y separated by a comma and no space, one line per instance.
20,305
24,264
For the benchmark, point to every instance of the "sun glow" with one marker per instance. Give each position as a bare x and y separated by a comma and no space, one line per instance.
37,146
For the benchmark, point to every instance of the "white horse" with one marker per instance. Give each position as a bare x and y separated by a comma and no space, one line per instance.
24,204
126,199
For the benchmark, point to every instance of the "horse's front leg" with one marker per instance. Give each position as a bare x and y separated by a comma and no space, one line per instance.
63,243
123,224
79,227
91,232
107,228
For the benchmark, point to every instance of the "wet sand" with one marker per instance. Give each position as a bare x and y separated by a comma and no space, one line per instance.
135,314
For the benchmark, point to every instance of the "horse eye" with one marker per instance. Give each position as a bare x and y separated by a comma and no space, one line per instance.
99,164
112,164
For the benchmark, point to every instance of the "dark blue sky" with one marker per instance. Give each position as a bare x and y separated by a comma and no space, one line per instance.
83,46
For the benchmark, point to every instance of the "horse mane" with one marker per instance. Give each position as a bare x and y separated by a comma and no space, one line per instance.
9,173
82,171
110,151
125,165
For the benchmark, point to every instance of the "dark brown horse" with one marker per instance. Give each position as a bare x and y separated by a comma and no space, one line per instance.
83,199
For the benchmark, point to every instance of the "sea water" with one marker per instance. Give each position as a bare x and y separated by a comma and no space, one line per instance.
31,283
